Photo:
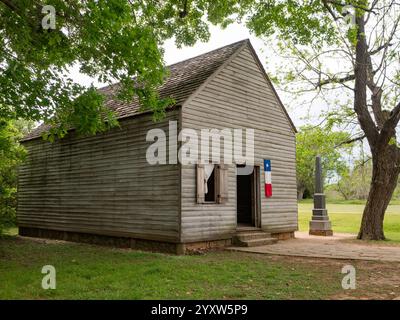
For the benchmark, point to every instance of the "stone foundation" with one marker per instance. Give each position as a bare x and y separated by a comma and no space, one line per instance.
195,247
120,242
325,233
283,235
125,242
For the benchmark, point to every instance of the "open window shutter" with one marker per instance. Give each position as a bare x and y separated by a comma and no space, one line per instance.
222,183
200,183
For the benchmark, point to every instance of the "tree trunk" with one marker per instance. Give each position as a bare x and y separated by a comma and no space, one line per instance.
385,173
300,193
385,156
342,192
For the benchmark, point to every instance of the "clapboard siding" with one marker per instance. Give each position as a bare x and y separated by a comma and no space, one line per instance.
101,184
239,96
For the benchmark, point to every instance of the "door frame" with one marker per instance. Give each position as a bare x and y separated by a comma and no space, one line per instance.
255,198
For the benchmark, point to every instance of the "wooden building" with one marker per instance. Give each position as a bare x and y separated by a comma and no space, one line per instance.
102,188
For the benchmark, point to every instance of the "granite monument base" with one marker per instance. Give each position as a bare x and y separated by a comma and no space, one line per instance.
320,228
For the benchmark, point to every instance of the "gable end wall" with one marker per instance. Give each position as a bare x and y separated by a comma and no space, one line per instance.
239,96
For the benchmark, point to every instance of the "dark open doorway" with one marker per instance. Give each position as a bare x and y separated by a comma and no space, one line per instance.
247,199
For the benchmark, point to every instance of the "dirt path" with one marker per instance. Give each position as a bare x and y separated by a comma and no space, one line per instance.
339,246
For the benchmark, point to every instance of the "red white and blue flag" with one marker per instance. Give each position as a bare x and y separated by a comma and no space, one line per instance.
268,180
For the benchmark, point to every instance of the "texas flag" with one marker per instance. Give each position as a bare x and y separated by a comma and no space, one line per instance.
268,181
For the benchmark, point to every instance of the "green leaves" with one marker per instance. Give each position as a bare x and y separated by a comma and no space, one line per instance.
111,40
120,41
11,154
302,22
313,141
352,35
87,114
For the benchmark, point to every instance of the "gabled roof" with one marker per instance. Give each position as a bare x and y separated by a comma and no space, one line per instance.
183,80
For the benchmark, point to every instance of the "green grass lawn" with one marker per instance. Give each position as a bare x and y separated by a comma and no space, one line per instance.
346,217
94,272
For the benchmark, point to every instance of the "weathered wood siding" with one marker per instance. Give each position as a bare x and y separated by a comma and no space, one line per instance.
238,96
101,184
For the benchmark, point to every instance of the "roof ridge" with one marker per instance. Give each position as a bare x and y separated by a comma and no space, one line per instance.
210,52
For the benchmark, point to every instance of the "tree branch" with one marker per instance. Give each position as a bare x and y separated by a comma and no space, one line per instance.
362,163
384,46
338,3
360,85
389,128
335,80
331,12
184,12
359,138
10,5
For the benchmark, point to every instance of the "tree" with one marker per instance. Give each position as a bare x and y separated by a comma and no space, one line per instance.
11,154
354,182
313,141
351,61
380,131
111,40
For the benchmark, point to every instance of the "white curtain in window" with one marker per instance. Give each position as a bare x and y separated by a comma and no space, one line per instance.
208,169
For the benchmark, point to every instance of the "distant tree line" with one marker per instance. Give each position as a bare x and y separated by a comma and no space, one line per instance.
346,172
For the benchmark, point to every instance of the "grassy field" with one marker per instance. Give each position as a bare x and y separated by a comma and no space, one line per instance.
346,217
94,272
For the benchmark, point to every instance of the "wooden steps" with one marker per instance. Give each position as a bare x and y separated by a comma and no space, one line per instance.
252,238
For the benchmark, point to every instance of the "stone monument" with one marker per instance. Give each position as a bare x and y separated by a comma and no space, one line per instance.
319,224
